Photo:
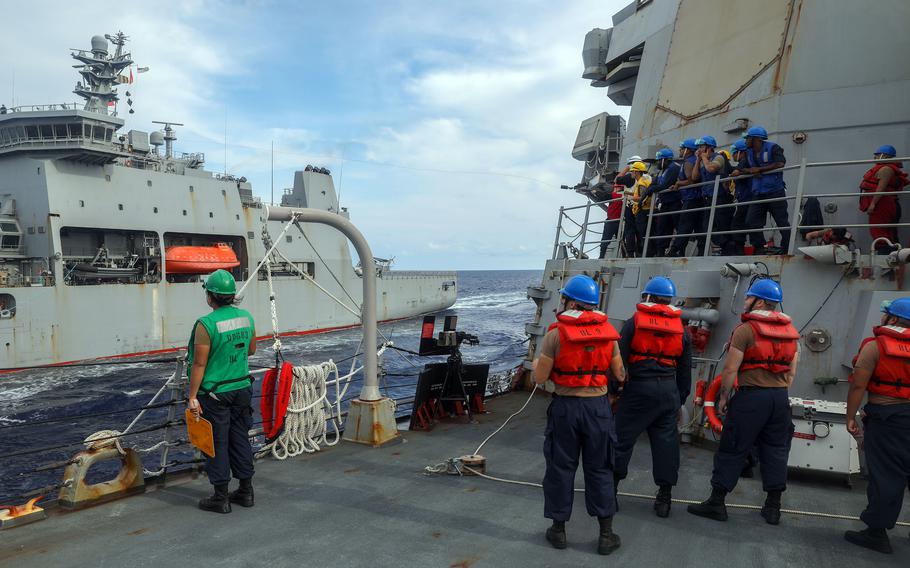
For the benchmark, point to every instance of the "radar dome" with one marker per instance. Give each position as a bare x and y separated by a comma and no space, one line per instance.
156,138
99,43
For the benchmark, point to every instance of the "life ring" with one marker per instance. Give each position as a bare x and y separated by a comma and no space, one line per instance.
710,399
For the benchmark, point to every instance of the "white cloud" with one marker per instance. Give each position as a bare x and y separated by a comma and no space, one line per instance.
453,158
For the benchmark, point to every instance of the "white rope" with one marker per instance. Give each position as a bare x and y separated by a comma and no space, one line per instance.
308,412
276,339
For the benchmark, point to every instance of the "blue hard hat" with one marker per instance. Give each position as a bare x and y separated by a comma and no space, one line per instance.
688,143
706,141
757,132
664,154
582,289
887,150
660,286
766,289
898,308
739,146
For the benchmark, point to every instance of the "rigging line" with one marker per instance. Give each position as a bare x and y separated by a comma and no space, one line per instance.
322,260
309,278
266,256
828,297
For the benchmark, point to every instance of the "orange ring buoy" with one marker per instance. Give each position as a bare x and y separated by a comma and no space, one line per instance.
710,399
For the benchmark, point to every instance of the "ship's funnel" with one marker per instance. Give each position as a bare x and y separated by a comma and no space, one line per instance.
828,254
594,54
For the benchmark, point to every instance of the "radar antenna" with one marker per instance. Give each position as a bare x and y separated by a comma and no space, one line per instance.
169,136
101,71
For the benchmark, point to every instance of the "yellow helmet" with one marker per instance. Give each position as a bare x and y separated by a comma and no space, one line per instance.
638,167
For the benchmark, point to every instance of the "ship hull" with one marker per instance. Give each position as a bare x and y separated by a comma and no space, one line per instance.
58,324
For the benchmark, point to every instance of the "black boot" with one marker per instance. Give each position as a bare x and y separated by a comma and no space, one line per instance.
713,508
608,541
243,496
771,509
662,501
217,503
556,534
873,539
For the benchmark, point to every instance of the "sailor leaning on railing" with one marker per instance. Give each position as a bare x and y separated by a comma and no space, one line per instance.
221,390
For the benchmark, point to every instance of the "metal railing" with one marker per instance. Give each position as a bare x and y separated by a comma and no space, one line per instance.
794,213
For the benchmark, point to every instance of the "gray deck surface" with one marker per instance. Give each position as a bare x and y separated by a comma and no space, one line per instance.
357,506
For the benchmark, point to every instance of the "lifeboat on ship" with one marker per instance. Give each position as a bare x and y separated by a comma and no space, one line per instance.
199,259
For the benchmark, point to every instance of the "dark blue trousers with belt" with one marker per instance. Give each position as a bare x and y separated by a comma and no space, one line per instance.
649,404
887,445
231,416
579,426
755,416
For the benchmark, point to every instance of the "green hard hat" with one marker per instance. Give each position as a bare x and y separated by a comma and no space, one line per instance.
221,282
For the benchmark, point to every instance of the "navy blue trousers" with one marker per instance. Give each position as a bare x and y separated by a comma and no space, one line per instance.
232,417
651,405
887,446
666,225
690,222
755,416
758,215
579,425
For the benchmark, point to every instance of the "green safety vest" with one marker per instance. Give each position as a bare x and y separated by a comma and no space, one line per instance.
231,331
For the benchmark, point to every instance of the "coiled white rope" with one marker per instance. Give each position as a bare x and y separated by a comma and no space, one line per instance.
306,427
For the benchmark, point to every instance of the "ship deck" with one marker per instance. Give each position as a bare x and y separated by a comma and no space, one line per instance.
357,506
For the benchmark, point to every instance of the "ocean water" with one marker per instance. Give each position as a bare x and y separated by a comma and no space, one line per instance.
491,304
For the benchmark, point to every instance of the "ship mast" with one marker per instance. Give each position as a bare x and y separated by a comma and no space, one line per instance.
100,72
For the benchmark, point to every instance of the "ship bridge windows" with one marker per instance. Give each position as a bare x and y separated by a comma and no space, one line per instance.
110,256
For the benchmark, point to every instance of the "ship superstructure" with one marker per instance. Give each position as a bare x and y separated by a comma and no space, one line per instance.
88,214
829,97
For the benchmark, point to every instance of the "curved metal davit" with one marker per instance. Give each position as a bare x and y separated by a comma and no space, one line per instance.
371,419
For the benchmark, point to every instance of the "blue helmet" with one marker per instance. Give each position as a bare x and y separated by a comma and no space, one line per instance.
660,286
887,150
664,154
898,308
739,145
688,143
706,141
582,289
757,132
766,289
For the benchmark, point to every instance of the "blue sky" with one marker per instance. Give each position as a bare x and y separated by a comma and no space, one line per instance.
447,126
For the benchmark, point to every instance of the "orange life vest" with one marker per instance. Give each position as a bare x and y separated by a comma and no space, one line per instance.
891,376
869,184
658,334
586,341
775,341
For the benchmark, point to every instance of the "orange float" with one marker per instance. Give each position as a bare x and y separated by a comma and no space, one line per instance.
710,399
199,259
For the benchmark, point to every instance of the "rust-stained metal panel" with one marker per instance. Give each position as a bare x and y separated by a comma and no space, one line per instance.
717,49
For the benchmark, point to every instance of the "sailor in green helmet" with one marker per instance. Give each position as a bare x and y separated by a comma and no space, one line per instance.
220,390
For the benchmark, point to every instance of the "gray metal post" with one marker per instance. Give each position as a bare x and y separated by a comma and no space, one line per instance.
644,250
370,390
558,231
794,224
584,226
711,216
622,227
178,382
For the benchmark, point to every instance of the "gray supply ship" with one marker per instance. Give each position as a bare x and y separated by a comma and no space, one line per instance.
829,94
104,235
